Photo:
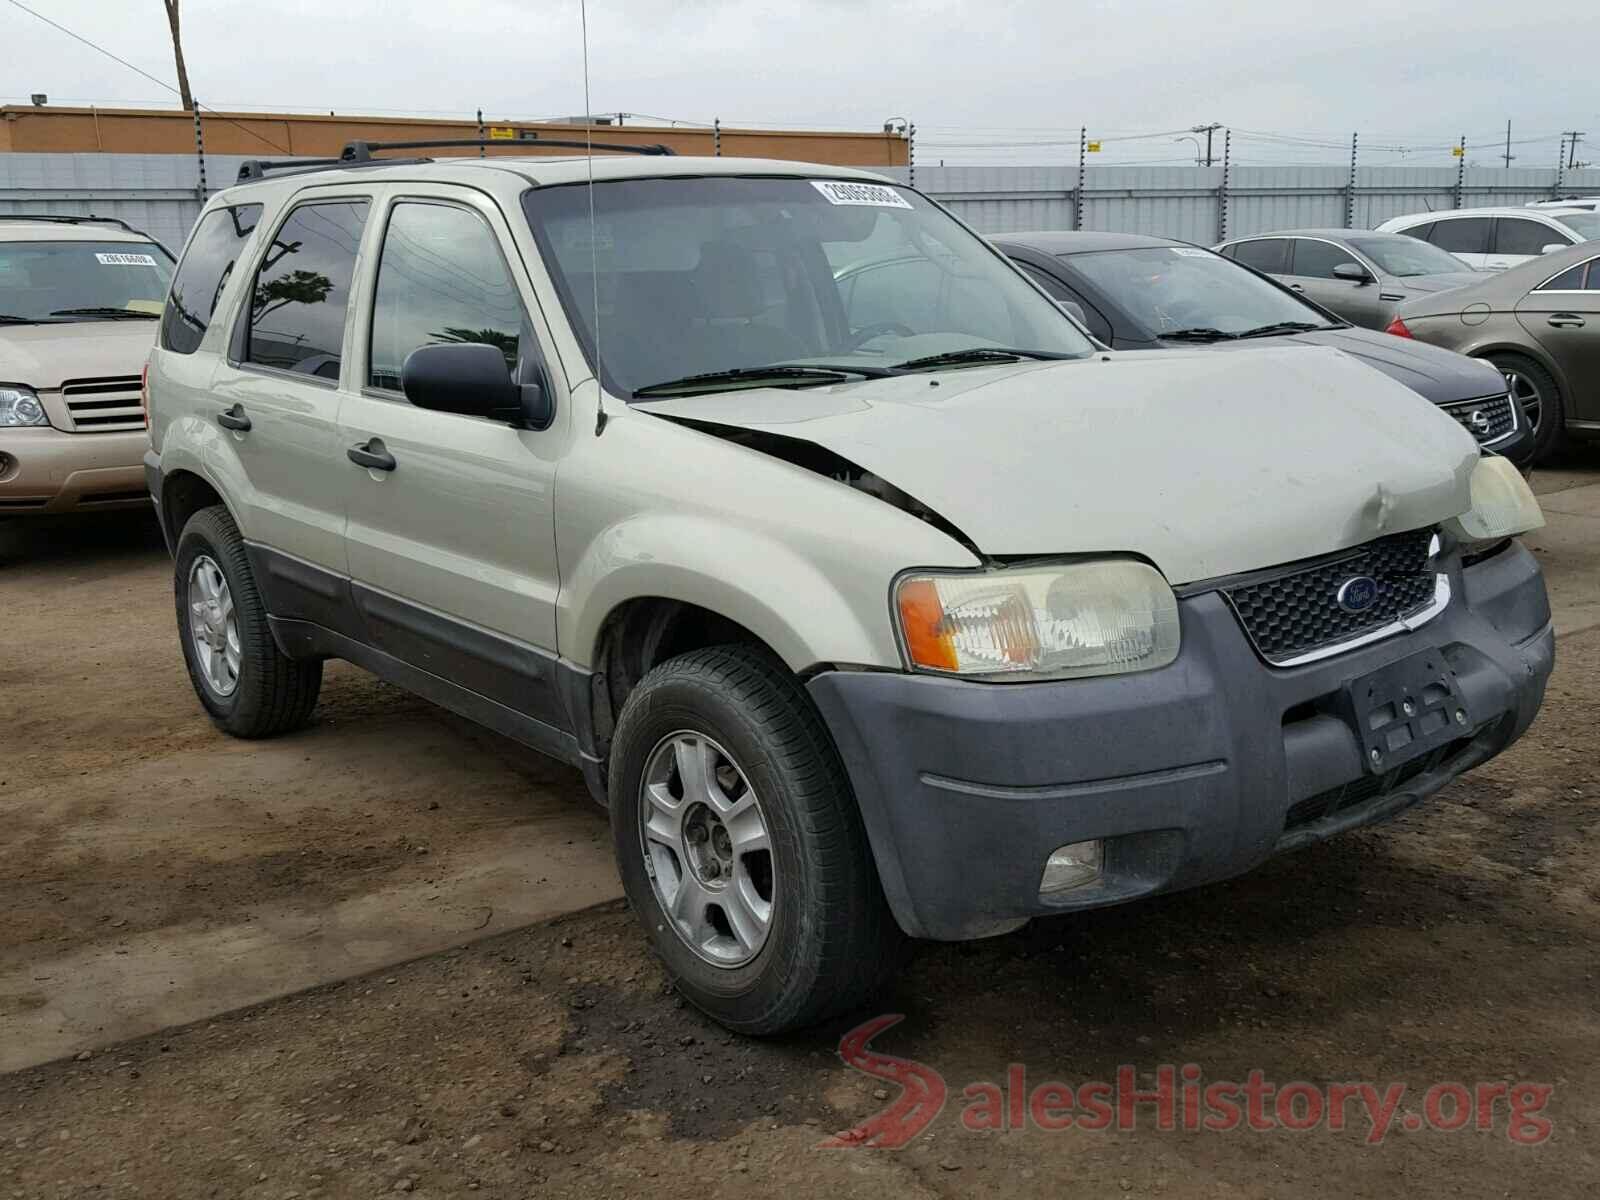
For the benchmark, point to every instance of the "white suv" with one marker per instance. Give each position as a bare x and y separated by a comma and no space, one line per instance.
870,602
1492,239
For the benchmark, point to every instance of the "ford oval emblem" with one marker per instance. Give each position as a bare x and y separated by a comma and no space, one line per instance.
1357,594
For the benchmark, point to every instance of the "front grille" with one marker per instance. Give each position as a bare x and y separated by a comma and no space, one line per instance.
104,405
1297,611
1368,788
1488,419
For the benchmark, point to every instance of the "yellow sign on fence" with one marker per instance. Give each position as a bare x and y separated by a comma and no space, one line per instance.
1458,151
502,133
1094,147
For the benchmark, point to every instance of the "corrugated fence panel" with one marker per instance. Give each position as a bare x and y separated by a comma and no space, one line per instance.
159,193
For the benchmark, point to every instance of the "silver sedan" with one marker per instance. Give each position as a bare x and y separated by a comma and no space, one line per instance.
1356,273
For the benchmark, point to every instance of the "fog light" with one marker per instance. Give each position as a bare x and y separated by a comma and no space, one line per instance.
1071,866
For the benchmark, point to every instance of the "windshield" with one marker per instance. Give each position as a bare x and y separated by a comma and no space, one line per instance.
55,281
1173,288
703,275
1407,257
1585,225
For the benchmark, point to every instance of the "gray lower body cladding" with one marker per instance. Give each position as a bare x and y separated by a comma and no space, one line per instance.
1192,773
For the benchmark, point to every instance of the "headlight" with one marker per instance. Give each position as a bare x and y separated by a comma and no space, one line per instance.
1048,622
19,406
1502,504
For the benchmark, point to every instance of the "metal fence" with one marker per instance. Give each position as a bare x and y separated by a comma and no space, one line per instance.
1201,204
160,193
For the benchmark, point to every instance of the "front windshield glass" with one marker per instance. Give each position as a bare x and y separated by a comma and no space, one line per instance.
1585,225
82,281
1407,257
1176,288
704,275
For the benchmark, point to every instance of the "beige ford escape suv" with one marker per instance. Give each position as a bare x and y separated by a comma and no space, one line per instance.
80,298
872,603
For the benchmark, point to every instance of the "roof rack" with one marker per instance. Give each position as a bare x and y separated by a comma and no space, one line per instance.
257,168
360,152
70,220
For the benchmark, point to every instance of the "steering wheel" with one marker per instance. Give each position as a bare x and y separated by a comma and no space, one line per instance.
868,332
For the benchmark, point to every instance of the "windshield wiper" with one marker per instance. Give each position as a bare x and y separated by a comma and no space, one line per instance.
774,376
106,312
1284,327
977,354
1203,333
13,319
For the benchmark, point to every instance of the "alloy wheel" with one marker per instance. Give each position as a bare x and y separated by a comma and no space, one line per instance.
214,627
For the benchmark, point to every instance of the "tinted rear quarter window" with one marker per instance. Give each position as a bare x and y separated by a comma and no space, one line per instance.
1265,254
1421,232
300,294
203,274
1570,280
1463,235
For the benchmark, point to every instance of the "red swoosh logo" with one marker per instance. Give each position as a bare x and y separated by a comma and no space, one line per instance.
919,1102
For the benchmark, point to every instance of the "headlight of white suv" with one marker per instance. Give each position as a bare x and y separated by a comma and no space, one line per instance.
19,406
1060,621
1502,504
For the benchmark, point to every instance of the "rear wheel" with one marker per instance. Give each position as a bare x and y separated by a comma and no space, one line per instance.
1535,389
248,686
740,845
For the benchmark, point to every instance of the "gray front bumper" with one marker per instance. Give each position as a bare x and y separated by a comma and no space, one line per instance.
1189,772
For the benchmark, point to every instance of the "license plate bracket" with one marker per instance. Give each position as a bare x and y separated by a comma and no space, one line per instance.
1405,710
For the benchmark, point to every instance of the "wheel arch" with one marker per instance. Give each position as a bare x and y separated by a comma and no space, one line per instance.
185,492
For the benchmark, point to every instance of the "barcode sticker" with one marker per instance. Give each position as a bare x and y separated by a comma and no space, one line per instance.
1191,252
125,260
873,195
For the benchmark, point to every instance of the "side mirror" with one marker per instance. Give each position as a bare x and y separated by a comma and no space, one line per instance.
1074,310
1552,247
473,379
1352,272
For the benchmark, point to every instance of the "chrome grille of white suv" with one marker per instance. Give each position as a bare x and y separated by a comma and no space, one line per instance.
109,405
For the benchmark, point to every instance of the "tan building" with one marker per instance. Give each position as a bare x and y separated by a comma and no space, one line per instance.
52,129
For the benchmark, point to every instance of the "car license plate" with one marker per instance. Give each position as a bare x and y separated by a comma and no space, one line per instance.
1406,709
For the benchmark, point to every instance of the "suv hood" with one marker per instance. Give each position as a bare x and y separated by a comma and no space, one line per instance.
1206,464
1443,376
43,357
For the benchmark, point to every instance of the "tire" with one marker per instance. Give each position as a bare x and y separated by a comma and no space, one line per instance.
1550,430
830,941
270,693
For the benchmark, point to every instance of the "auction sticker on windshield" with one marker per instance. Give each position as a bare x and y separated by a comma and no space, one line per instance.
125,260
873,195
1190,252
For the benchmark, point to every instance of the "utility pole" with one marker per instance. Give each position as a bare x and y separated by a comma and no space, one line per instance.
1208,130
1573,136
1508,155
177,54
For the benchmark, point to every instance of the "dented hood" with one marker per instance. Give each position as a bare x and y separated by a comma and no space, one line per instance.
1206,464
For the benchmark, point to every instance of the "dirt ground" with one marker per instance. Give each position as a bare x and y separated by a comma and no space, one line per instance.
1457,945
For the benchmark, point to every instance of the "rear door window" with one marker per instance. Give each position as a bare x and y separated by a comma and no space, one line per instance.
1516,235
1318,259
301,292
203,274
1463,235
1264,254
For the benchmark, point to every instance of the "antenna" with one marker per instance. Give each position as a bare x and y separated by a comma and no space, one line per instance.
594,252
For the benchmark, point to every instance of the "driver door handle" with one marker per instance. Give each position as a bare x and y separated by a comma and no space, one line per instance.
371,454
1297,287
1565,320
234,419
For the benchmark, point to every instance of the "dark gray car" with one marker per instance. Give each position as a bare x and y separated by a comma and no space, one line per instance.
1357,273
1540,324
1147,293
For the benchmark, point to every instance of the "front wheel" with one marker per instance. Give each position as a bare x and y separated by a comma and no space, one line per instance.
740,845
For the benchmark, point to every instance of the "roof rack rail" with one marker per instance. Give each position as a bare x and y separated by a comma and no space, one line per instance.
70,220
360,152
257,168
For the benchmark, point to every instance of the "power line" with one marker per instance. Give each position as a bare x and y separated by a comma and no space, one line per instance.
78,37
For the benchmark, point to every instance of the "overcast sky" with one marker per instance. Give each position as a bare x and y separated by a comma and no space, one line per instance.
977,76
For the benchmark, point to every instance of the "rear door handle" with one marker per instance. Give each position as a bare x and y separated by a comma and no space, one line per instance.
234,419
1565,321
371,454
1298,287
